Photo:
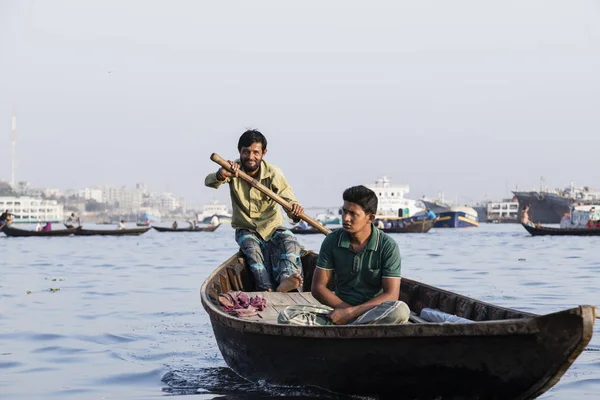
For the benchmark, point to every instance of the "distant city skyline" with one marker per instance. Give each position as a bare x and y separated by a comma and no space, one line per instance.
469,98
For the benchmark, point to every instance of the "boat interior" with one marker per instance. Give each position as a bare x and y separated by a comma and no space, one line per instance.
234,275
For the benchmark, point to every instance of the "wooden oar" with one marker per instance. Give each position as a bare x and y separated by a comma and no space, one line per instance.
262,188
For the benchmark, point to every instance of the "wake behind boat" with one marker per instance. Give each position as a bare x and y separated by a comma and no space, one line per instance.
502,354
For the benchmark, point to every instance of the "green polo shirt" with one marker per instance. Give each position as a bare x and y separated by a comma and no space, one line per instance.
358,275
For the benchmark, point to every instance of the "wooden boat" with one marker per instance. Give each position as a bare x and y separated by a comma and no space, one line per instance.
16,232
305,231
504,354
209,228
413,227
111,232
548,231
423,226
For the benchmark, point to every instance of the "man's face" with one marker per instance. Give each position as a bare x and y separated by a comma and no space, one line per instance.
251,157
354,218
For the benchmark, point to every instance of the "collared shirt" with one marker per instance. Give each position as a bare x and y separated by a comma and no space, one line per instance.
358,276
252,209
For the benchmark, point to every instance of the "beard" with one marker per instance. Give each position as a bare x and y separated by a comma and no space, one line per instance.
250,168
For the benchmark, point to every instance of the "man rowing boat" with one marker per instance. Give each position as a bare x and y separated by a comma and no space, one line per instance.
271,250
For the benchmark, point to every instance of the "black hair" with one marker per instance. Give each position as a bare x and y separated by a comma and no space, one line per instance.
363,196
252,136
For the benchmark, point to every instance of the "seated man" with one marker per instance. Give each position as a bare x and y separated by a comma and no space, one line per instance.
430,214
71,220
365,264
5,218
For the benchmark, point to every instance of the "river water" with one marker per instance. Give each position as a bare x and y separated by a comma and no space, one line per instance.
120,317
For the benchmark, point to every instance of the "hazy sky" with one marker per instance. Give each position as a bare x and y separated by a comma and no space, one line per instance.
468,97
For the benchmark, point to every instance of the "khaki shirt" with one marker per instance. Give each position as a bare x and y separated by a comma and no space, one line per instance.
252,209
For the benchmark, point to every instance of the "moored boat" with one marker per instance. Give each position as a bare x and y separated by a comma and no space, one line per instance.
111,232
16,232
503,354
391,201
210,228
457,217
214,209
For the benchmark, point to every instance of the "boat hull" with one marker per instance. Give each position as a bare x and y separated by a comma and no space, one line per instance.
436,207
503,354
549,231
16,232
431,362
454,219
107,232
203,229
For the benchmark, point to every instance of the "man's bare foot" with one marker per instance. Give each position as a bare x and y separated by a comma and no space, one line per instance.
290,283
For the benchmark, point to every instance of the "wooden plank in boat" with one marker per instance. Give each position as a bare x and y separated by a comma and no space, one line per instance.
273,298
296,298
268,314
280,307
309,298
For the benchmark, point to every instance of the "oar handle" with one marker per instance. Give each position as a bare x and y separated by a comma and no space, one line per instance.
262,188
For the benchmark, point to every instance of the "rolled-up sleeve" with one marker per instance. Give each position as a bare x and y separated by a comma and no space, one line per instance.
212,181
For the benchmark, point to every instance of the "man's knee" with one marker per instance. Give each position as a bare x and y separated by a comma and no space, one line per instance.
250,245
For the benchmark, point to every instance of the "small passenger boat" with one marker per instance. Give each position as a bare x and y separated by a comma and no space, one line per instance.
110,232
550,231
210,228
503,354
500,353
16,232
